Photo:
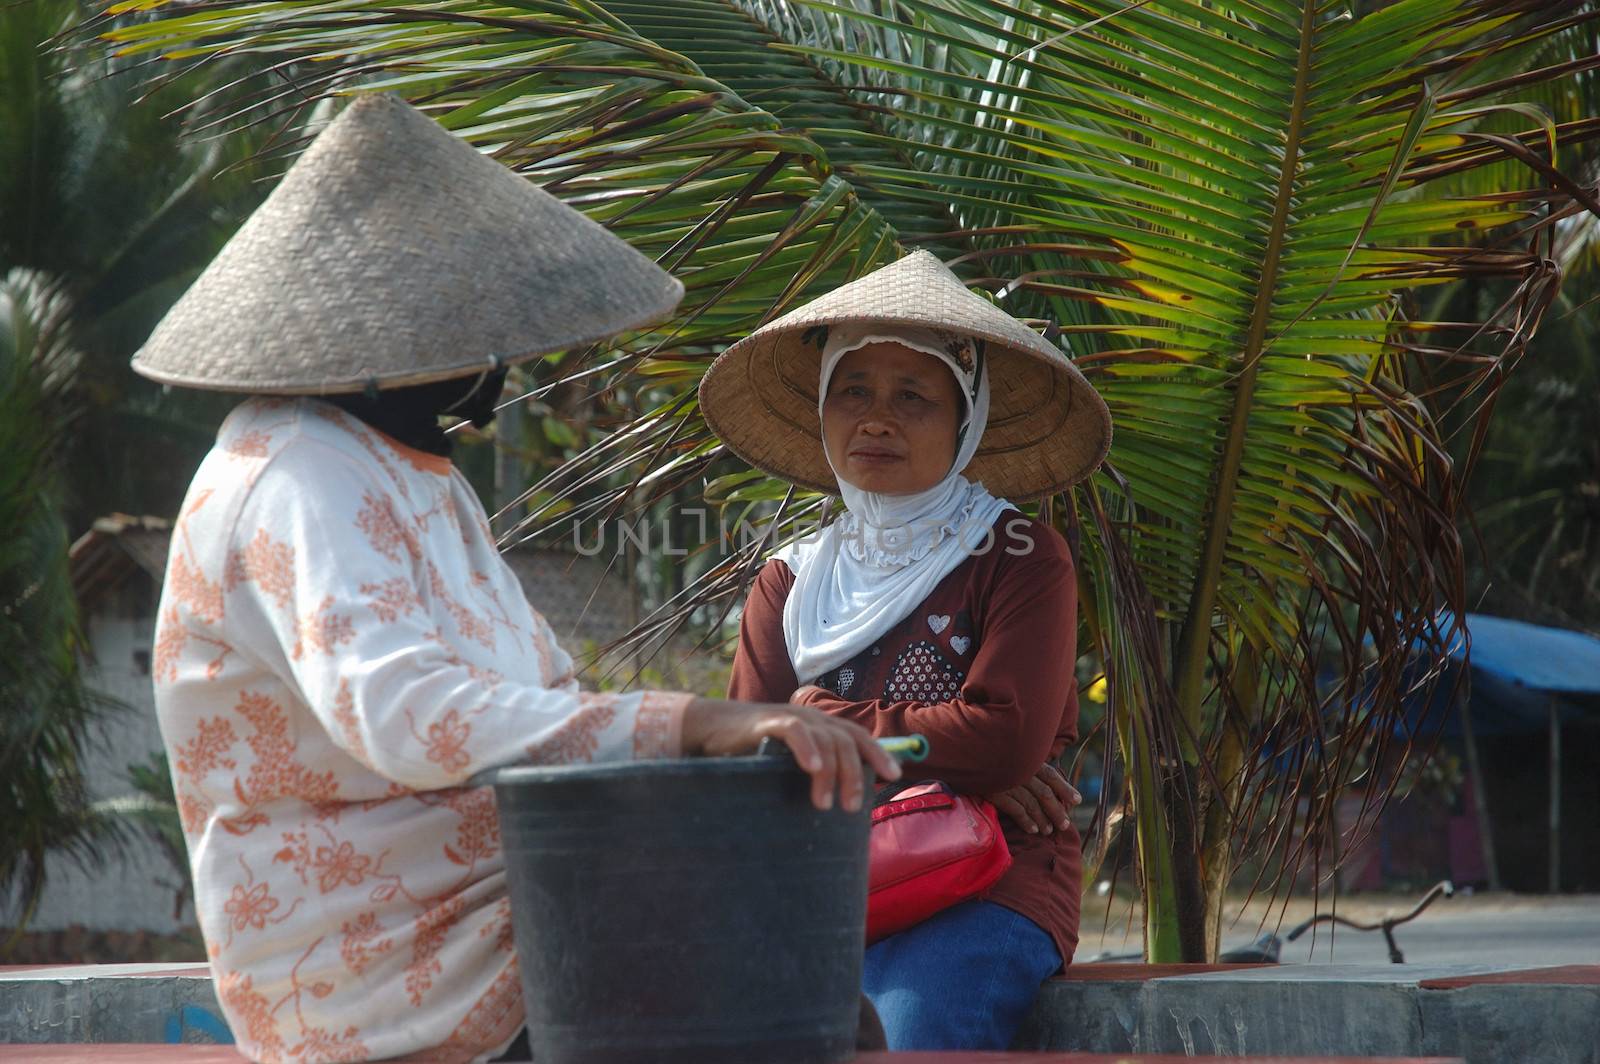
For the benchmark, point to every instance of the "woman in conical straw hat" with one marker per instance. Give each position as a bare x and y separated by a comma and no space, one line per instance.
932,605
340,646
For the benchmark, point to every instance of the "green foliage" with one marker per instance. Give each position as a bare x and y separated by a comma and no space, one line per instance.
107,211
48,717
1224,209
1534,540
100,189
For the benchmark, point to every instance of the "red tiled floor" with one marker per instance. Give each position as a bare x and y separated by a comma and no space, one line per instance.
198,971
119,1054
162,1054
1115,972
1566,975
106,971
1125,1058
6,969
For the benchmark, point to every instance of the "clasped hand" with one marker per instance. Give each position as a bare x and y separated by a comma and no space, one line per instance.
1042,804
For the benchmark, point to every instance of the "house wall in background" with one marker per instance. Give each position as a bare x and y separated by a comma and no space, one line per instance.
133,890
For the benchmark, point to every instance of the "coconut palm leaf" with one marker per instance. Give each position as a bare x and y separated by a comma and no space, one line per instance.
50,717
99,189
1224,209
106,213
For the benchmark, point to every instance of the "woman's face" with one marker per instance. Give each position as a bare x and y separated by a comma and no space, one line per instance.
890,418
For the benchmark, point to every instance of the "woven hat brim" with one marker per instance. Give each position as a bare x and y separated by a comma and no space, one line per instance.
393,253
646,317
1048,428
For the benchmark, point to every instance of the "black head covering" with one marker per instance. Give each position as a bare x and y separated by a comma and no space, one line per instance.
411,415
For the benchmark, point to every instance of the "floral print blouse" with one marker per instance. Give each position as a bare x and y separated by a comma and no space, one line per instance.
340,647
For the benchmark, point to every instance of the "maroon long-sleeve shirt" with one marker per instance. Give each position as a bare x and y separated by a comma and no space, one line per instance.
984,669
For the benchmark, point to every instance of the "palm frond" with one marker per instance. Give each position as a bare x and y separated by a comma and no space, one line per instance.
1228,211
50,716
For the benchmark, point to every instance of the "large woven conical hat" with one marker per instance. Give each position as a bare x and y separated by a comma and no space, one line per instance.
1048,428
390,254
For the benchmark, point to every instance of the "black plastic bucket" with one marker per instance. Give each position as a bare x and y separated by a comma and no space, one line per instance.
696,910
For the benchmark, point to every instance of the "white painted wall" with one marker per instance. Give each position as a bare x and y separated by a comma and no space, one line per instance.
132,891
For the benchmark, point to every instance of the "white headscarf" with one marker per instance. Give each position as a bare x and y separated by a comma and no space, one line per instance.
863,574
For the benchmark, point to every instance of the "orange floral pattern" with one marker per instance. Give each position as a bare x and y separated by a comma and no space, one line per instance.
322,630
250,908
171,637
340,866
547,653
578,737
322,1044
447,742
655,727
196,501
493,1018
391,600
252,444
467,621
189,586
339,645
276,772
267,562
329,862
208,750
478,832
251,905
214,666
250,1013
363,942
344,715
193,812
431,929
501,930
384,530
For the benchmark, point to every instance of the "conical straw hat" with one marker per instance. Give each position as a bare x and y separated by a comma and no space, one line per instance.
390,254
1048,428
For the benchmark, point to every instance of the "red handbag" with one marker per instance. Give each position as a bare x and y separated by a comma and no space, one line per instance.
930,848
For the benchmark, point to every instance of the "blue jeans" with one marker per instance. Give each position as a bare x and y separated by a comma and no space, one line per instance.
962,979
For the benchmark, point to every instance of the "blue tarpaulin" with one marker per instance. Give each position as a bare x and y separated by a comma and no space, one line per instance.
1551,660
1518,670
1526,681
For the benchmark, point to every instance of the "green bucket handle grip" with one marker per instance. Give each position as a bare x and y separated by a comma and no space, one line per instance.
906,747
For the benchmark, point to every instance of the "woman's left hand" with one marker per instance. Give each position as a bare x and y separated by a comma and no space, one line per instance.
1041,805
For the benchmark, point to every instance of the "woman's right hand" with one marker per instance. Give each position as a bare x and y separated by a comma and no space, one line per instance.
830,750
1041,805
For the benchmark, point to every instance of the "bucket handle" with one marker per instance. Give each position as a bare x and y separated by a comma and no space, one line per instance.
912,747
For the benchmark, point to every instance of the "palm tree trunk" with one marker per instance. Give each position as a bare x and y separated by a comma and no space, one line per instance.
1217,860
1195,638
1170,885
1182,789
1157,886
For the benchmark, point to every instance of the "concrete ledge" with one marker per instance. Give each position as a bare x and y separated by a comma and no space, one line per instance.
96,1003
1485,1014
1541,1023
